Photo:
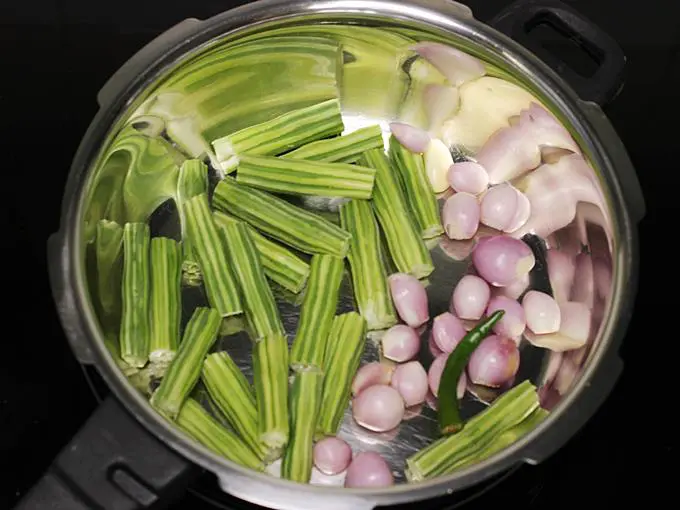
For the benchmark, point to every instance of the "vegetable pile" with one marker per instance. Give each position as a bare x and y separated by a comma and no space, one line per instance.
272,140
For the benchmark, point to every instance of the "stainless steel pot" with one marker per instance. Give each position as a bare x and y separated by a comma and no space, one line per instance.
126,456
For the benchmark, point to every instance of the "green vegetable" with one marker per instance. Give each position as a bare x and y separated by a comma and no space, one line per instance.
258,300
341,149
317,312
281,134
445,455
134,327
507,438
420,197
280,264
406,247
166,309
305,399
369,277
450,421
108,250
231,393
220,285
270,374
202,427
185,369
279,219
192,181
343,354
235,85
302,177
111,342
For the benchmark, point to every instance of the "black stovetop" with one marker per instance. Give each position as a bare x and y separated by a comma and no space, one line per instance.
55,56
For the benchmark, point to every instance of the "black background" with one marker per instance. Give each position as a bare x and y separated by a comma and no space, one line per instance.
54,57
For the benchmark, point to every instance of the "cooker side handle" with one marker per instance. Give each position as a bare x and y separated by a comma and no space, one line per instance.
112,462
518,19
144,57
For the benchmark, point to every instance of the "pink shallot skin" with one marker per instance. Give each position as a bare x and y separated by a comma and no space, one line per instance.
410,299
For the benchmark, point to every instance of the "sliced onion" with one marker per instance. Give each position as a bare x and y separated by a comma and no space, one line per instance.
502,260
508,154
499,206
574,329
468,177
400,343
438,160
378,408
460,216
368,470
332,455
434,376
561,270
410,299
554,190
414,139
470,297
410,380
513,323
457,66
447,332
371,374
441,103
542,312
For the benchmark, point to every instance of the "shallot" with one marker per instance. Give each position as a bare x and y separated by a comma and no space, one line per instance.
502,260
575,324
494,362
470,297
447,332
460,216
516,288
542,312
371,374
433,347
435,372
513,323
332,455
457,66
378,408
368,469
400,343
522,213
561,270
499,206
410,380
468,177
438,160
410,299
413,138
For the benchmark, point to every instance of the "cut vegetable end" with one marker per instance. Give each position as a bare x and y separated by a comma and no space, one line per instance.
165,299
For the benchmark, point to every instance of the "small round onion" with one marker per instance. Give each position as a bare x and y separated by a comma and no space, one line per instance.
468,177
522,213
493,362
542,312
410,380
400,343
470,297
434,376
460,216
411,137
368,470
516,288
447,332
499,206
433,347
379,408
513,323
410,299
371,374
502,260
332,455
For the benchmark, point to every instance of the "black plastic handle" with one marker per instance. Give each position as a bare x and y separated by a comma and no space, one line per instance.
603,85
114,463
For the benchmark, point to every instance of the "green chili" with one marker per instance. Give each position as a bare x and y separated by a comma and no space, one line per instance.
450,421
